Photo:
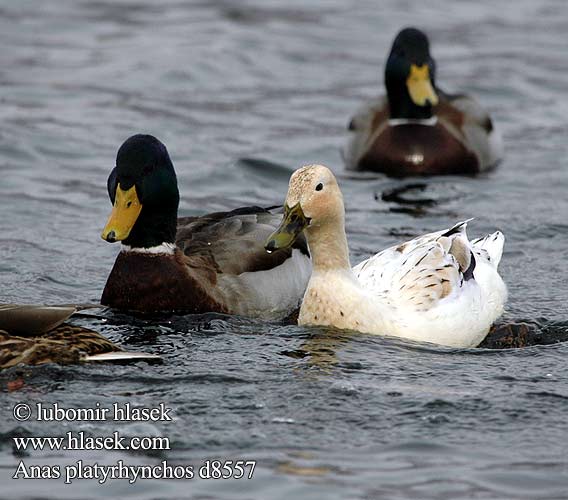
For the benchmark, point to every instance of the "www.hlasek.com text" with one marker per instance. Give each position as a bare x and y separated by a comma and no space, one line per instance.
82,441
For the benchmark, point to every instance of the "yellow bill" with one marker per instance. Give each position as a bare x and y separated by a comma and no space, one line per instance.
124,214
420,86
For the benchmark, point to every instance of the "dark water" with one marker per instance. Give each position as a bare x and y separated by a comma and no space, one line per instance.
242,93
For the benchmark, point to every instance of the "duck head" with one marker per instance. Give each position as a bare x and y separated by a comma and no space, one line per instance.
410,76
314,201
144,193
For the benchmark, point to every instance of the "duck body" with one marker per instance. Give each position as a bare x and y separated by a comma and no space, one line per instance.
38,334
417,129
417,290
440,288
450,143
218,264
211,263
65,344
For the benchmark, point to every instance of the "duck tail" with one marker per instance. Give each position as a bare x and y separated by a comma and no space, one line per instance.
460,227
492,244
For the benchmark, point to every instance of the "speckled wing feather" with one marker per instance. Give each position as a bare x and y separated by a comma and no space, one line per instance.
421,272
233,242
64,344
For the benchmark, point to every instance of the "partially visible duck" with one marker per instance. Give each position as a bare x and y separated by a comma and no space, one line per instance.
418,129
215,262
439,288
36,334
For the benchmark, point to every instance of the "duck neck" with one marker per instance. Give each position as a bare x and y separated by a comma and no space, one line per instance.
328,247
401,106
153,228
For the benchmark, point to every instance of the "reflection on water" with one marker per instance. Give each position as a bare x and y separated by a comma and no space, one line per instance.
242,93
420,199
320,349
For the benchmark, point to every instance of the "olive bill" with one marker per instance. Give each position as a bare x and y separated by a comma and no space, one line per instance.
293,223
125,212
420,86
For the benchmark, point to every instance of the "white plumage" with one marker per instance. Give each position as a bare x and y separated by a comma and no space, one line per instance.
431,289
439,288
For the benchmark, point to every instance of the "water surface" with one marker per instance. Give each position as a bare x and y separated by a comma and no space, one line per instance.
242,93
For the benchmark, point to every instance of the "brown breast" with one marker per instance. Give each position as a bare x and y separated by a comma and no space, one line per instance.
158,283
415,149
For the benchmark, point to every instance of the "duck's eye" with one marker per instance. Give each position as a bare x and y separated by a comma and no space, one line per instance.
319,187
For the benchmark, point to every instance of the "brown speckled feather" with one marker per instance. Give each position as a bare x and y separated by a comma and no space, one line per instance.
27,338
65,344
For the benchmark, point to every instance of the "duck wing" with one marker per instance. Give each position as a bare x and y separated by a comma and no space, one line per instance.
473,112
229,248
471,123
233,242
422,272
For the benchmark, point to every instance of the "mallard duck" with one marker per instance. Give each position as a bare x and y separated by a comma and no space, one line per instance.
418,129
439,288
215,262
35,334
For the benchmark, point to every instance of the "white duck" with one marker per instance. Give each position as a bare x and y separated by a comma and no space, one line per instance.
438,288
